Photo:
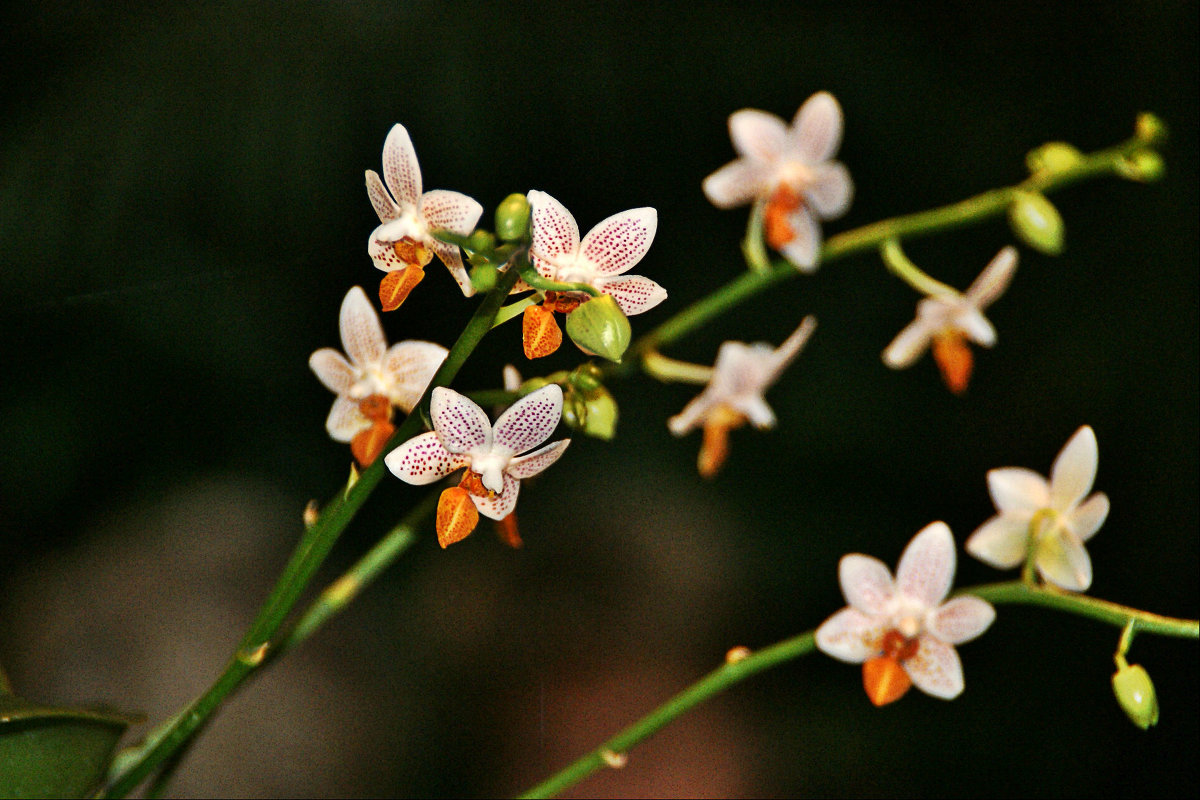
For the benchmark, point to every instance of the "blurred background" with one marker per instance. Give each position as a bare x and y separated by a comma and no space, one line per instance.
182,210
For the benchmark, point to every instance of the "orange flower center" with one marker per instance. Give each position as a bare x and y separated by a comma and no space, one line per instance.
954,359
780,206
884,677
715,446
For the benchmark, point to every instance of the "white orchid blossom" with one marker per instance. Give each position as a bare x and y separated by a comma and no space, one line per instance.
462,436
1046,520
605,254
400,373
790,169
903,622
408,217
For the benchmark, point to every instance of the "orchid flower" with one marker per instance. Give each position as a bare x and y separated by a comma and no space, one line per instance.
734,394
789,169
948,320
900,630
374,379
1046,521
462,436
404,243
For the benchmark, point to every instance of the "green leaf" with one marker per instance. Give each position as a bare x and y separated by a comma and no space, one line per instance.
55,752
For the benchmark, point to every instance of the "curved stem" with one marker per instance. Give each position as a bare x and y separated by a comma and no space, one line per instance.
741,664
903,268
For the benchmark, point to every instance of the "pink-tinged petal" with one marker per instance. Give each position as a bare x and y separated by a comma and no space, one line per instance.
994,279
529,421
866,583
830,191
523,467
452,211
816,131
976,326
926,568
912,341
461,424
362,335
633,293
383,254
554,233
693,413
755,408
805,246
852,636
332,370
757,135
422,460
1002,541
783,355
1088,517
345,420
935,669
501,505
449,255
400,168
620,241
382,202
961,619
411,366
1074,470
737,183
1063,561
1018,492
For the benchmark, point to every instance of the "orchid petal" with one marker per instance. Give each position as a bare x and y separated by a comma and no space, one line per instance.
411,366
994,279
755,409
936,669
757,135
693,414
529,421
1002,541
555,234
332,370
926,568
462,426
816,131
912,341
1063,561
852,636
450,256
961,619
1088,517
401,171
830,191
786,353
500,505
423,460
1018,492
345,420
452,211
866,583
381,201
529,465
805,246
737,183
976,326
633,293
1074,470
362,335
618,242
383,254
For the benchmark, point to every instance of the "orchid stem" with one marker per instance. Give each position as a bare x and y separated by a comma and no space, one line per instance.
903,268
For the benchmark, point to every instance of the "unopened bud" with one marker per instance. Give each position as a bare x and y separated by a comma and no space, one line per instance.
1144,166
600,418
1053,157
512,218
575,411
1036,222
599,326
586,377
1150,129
312,513
483,277
1135,693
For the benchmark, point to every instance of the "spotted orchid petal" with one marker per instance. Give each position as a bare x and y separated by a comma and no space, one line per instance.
936,669
462,426
529,421
615,244
555,234
816,131
411,365
332,370
851,636
345,420
866,584
531,464
500,505
362,334
423,460
385,207
401,171
633,293
1074,470
926,568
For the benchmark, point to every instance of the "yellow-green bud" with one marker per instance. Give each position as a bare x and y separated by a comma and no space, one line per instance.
483,277
586,377
512,218
1036,222
601,415
1143,166
480,241
599,326
1150,129
574,412
1053,157
1135,693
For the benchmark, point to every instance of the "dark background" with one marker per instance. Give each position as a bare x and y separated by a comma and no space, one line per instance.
182,210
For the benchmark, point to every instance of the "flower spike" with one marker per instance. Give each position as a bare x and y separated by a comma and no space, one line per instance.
1047,521
373,380
462,436
790,171
900,630
404,243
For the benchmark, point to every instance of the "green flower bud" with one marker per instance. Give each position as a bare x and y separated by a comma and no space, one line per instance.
1135,693
601,419
512,218
483,277
1036,222
574,412
598,326
532,385
480,241
1150,129
586,377
1143,166
1053,157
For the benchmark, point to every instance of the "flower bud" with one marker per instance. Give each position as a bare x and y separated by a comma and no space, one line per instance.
574,411
512,218
586,377
1036,222
1053,157
480,241
1143,166
600,418
483,277
599,326
1150,129
1135,693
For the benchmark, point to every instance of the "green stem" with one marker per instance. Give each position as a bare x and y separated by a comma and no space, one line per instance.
534,279
666,369
754,250
745,663
314,546
899,265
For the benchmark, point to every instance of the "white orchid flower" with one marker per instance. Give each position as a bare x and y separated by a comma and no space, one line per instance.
789,169
1046,520
900,630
